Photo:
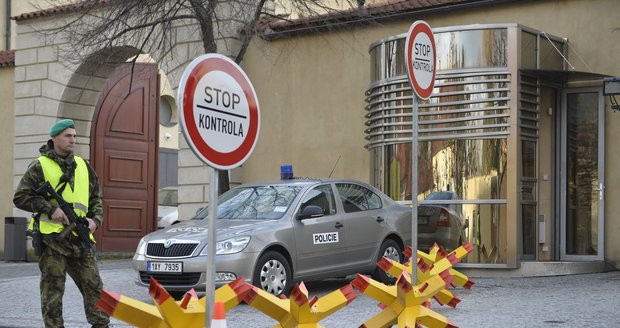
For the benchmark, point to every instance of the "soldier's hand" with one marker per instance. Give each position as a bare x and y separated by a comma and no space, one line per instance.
60,217
92,226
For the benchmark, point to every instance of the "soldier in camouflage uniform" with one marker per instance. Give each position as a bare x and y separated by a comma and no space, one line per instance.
74,179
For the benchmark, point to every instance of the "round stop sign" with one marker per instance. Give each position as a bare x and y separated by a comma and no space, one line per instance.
219,111
421,56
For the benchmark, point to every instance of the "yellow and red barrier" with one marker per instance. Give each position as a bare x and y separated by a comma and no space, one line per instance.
436,262
168,313
299,311
436,253
403,304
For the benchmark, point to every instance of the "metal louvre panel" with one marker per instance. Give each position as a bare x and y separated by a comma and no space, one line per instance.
464,106
529,110
175,250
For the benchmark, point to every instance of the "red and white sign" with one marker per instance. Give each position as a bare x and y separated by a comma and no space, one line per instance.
421,57
219,111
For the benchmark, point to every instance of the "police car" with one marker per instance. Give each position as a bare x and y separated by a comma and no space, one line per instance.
274,234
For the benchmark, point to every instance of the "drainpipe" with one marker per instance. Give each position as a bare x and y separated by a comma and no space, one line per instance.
7,41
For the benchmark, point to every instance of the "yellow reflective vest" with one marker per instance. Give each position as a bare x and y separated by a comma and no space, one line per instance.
78,196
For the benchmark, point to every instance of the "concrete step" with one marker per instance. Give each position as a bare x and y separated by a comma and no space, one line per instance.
540,269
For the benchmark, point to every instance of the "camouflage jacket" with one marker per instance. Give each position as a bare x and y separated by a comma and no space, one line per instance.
27,199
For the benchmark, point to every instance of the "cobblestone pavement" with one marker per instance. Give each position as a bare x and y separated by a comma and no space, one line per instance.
585,300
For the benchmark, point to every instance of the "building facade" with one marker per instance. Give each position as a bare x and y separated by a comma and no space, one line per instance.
517,126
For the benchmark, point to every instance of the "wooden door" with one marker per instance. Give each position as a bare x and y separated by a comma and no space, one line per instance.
124,149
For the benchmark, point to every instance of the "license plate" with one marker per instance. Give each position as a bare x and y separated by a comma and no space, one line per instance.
171,267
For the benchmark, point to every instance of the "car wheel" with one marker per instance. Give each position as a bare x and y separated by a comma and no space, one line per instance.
392,251
273,274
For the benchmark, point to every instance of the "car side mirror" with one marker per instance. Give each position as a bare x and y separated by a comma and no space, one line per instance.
310,211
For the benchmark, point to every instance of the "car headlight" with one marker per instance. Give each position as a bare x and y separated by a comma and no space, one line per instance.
229,246
141,249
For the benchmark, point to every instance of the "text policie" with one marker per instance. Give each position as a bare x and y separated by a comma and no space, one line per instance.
221,99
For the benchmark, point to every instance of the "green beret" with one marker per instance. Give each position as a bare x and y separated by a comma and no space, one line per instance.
60,126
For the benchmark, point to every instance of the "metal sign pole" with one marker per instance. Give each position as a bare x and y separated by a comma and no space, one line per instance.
414,190
221,150
420,53
210,270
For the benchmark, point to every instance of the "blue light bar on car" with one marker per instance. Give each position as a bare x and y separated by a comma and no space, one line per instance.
286,171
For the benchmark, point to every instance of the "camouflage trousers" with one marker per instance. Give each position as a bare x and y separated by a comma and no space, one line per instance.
55,263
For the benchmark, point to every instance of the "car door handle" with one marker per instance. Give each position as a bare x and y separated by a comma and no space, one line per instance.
380,219
339,225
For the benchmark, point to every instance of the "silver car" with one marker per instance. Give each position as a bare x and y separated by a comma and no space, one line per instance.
274,234
167,207
441,224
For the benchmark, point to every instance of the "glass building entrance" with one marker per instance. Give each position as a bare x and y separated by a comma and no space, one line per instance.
479,137
582,231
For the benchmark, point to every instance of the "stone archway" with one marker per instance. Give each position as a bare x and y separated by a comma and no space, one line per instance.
124,152
105,115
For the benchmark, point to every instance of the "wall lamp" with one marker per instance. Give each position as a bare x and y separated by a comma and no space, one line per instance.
611,88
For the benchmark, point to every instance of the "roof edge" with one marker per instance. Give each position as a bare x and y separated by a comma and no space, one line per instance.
277,27
81,5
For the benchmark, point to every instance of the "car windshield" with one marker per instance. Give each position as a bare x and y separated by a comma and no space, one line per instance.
440,195
254,203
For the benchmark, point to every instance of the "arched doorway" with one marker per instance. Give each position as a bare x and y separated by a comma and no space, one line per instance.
124,148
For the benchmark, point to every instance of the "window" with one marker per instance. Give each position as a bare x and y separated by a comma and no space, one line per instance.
356,198
167,111
321,196
254,203
168,197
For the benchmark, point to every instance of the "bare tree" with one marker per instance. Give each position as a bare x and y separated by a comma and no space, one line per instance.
149,26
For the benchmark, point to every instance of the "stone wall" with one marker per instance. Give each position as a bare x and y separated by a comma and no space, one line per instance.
6,144
48,87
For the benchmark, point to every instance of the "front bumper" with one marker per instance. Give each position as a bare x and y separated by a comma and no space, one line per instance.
227,268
